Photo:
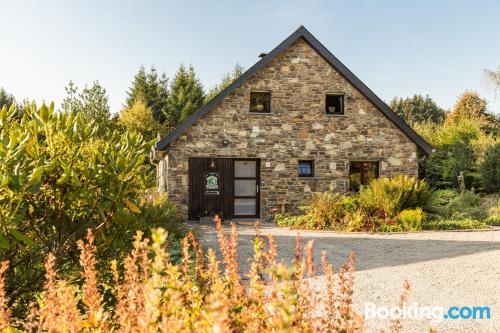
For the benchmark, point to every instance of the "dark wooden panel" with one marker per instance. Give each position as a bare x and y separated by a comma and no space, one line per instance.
201,204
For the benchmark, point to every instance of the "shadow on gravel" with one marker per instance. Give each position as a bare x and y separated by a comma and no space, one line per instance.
370,252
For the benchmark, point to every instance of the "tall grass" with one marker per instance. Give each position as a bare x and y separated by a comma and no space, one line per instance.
201,294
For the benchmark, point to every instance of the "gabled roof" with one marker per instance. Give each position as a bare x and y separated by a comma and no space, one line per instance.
301,32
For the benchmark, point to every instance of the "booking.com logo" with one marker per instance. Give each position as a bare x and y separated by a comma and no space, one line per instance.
435,313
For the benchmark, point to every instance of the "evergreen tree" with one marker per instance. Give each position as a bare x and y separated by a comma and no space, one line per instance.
5,98
151,88
186,95
417,109
91,103
226,81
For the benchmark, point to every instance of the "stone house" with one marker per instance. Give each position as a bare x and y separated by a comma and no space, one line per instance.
296,122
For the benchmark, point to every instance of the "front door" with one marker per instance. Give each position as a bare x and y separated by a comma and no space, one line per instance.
246,201
229,187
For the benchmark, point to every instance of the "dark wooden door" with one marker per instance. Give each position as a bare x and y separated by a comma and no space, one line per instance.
236,194
203,199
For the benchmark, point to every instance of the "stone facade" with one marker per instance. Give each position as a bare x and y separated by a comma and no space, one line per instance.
296,129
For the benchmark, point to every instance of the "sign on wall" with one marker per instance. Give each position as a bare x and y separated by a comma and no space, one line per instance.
212,183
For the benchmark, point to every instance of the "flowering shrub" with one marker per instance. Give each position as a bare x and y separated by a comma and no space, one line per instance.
200,294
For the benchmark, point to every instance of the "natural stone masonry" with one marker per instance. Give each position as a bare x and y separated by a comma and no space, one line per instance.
296,129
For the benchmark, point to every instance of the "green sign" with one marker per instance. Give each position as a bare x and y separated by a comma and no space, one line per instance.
212,183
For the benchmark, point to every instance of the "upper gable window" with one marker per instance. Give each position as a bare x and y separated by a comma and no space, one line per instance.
334,104
260,101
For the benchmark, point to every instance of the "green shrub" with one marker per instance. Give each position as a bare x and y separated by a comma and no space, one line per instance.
57,179
451,204
453,224
411,219
387,197
490,169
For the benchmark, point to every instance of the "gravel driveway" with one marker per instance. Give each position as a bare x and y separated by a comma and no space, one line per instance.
444,269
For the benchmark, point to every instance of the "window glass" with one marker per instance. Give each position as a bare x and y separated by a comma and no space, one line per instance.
306,168
245,168
260,102
361,173
243,187
334,104
245,206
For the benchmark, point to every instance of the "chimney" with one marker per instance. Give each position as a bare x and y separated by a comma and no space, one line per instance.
262,54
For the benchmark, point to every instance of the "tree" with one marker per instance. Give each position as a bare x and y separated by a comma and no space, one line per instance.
152,89
494,77
490,169
6,98
92,104
139,118
186,95
226,81
417,109
471,106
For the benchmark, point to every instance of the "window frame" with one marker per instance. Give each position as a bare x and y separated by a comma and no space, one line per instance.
342,96
363,172
311,163
268,92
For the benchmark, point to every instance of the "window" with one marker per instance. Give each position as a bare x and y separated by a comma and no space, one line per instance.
260,101
361,173
306,168
334,104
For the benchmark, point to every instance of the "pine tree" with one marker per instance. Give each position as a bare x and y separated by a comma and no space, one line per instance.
152,89
186,95
417,109
226,81
5,98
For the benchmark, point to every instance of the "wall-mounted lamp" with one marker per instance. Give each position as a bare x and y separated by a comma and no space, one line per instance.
225,142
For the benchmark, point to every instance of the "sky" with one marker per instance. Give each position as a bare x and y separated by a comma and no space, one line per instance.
397,48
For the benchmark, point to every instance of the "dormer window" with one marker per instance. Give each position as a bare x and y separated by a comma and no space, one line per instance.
334,104
260,101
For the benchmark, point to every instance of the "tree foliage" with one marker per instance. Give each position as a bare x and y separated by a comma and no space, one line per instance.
417,109
226,81
186,95
490,169
151,88
139,118
460,143
6,98
92,105
58,178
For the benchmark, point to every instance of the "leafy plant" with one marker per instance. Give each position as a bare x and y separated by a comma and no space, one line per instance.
453,224
411,219
57,179
490,169
387,197
200,294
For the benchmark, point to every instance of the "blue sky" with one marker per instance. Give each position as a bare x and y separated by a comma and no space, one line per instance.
398,48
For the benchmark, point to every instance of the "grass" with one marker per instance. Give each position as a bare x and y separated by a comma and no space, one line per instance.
200,294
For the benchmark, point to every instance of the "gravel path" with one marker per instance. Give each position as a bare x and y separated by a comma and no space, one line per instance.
444,269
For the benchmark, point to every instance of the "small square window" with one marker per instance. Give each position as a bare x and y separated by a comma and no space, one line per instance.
260,101
334,104
306,168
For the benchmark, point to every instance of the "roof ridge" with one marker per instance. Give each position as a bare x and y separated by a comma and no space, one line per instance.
330,58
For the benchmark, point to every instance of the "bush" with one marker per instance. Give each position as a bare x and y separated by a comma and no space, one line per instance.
411,219
490,169
451,204
387,197
453,224
58,178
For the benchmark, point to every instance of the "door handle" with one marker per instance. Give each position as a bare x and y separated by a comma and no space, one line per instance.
257,188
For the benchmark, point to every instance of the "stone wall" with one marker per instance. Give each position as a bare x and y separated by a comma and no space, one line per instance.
297,128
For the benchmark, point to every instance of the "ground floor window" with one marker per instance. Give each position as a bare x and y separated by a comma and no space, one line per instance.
361,173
